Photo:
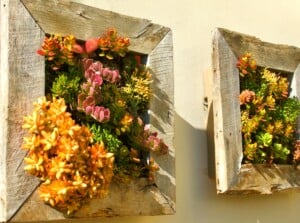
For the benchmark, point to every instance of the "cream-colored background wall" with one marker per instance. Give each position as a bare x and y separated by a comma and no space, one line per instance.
192,23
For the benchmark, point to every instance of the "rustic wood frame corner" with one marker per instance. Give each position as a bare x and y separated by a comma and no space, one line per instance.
231,175
23,26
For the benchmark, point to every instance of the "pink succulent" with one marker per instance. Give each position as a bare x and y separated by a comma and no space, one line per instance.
96,80
91,97
155,144
89,109
97,66
112,76
89,73
87,104
101,113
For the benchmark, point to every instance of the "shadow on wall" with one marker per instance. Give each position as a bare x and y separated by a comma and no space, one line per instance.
192,163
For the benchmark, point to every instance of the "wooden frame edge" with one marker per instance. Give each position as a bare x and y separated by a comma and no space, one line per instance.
155,35
276,56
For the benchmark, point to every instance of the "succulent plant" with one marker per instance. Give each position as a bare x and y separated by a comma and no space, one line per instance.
268,115
58,50
111,45
90,127
62,155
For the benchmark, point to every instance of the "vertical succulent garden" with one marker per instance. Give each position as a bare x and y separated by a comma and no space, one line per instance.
90,127
269,116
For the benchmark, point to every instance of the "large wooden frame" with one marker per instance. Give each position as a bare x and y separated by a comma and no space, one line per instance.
23,25
231,175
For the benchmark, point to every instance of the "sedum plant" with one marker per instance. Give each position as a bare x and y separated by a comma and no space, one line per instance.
90,128
58,50
268,115
61,154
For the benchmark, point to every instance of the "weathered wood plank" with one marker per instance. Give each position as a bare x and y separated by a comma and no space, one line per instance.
277,56
160,60
226,107
265,179
295,90
3,106
22,81
84,22
136,198
231,175
295,83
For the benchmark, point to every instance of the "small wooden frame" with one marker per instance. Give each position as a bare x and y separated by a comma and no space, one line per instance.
23,25
231,175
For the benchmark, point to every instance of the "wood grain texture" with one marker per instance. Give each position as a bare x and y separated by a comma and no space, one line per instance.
136,198
84,22
265,179
22,81
226,107
277,56
231,176
160,61
3,106
295,83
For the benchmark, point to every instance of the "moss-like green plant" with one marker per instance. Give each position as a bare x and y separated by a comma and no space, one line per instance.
125,166
100,134
268,115
67,85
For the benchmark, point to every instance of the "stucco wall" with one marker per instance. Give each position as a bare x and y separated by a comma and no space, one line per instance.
193,22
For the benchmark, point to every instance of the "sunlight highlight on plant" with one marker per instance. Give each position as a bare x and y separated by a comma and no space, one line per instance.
268,115
91,127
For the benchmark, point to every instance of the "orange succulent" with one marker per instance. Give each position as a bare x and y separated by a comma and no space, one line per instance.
111,44
126,122
246,96
58,50
60,153
246,64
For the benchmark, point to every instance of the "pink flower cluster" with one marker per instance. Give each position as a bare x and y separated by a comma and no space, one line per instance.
156,144
97,69
90,98
151,141
87,103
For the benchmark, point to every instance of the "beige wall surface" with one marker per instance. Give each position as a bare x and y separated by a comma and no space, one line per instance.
193,23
